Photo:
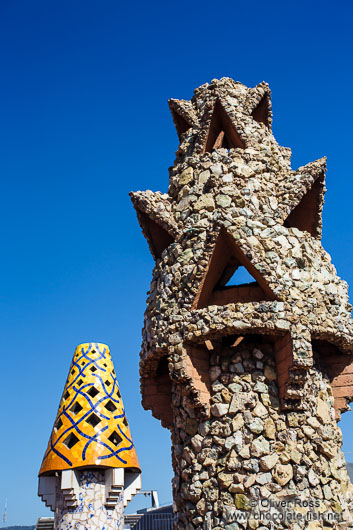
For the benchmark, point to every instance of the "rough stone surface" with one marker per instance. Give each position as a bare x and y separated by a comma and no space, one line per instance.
259,371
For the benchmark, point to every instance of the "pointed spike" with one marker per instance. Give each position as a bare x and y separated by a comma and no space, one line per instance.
305,209
156,220
183,115
260,104
261,112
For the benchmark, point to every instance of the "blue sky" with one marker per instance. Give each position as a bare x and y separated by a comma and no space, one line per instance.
84,120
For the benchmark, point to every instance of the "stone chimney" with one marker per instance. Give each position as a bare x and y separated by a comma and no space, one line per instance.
90,469
248,336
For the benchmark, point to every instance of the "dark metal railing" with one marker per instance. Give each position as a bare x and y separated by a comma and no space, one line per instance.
155,521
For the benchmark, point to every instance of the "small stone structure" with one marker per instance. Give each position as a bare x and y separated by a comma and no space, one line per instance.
90,469
251,378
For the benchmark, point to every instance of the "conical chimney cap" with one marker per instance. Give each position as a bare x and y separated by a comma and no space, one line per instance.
91,428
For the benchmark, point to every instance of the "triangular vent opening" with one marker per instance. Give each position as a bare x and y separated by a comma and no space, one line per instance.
240,277
305,215
227,277
222,132
261,111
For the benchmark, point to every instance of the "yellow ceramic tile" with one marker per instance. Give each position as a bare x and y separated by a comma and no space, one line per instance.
91,428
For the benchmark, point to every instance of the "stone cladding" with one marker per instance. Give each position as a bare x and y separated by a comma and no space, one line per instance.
250,378
250,452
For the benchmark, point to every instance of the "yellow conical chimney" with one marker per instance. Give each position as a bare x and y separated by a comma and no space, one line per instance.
91,428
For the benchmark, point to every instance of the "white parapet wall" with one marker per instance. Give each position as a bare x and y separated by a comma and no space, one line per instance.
89,498
47,491
132,485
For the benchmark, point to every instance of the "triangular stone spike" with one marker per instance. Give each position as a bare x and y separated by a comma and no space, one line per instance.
183,115
306,205
156,220
259,103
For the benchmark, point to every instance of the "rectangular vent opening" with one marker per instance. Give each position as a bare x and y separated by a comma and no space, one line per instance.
110,406
76,408
93,392
70,441
93,420
115,439
58,424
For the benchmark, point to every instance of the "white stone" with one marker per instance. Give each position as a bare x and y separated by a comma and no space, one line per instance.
219,409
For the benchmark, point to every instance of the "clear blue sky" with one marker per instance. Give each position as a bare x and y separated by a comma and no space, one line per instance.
84,120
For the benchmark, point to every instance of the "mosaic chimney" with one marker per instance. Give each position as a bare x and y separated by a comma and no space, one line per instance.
90,469
248,338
